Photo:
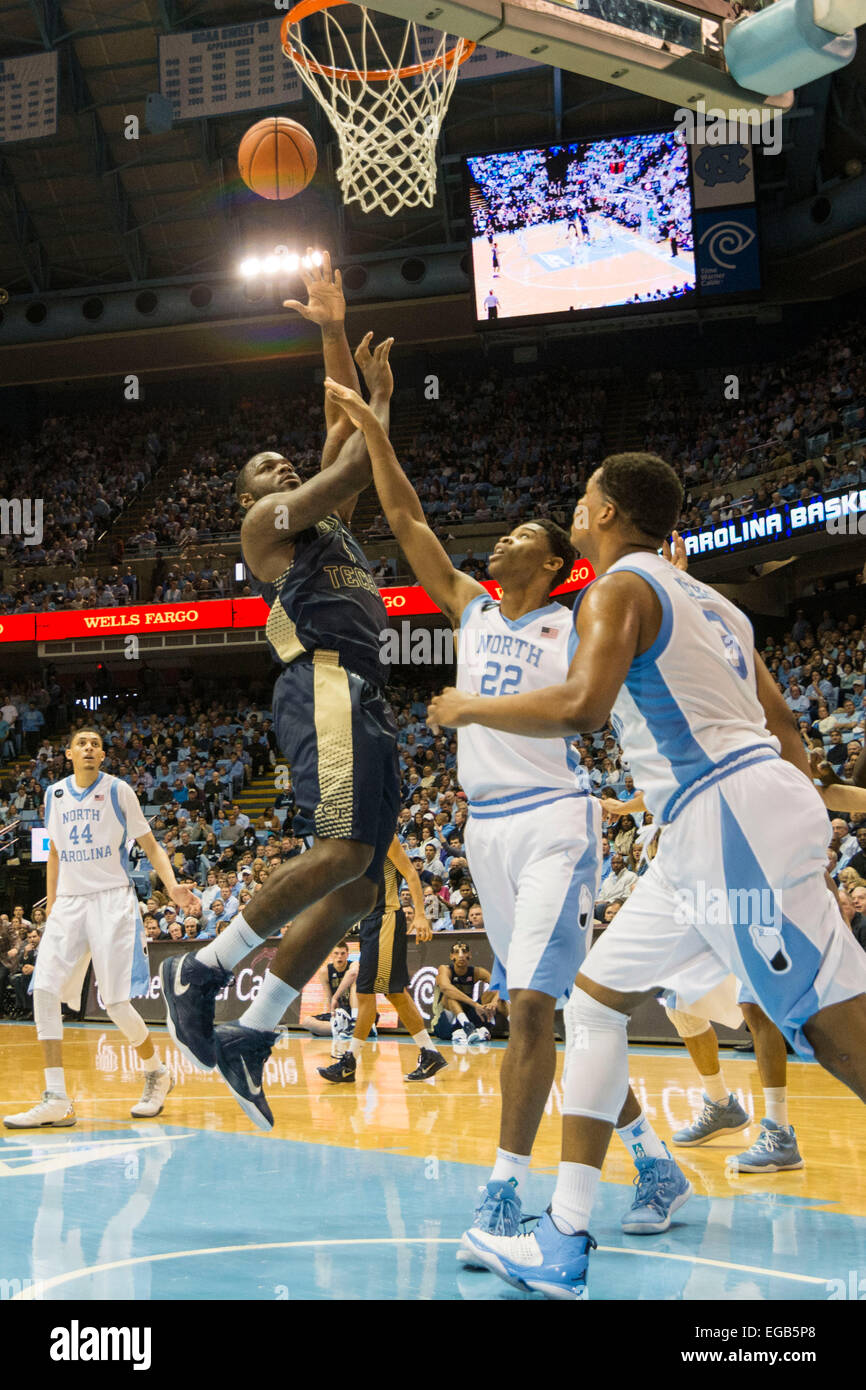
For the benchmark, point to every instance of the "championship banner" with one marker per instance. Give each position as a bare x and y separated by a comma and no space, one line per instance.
207,72
28,97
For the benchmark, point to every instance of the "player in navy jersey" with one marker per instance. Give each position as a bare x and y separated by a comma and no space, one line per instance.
331,719
712,744
93,914
534,832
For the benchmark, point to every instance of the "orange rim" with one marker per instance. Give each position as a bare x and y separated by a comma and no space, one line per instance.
309,7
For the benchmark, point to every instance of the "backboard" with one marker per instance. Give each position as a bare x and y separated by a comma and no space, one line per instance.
673,52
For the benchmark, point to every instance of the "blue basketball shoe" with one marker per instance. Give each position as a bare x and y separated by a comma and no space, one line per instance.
662,1188
190,990
544,1261
499,1213
774,1151
717,1117
241,1055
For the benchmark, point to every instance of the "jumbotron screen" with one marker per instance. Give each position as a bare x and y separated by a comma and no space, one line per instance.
583,226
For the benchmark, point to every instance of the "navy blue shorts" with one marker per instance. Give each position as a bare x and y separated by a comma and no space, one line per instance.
339,737
382,968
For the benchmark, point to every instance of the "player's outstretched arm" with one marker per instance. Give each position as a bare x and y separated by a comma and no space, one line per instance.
326,307
404,866
379,378
612,807
450,589
612,615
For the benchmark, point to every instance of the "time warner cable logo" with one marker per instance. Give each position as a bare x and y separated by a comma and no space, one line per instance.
77,1343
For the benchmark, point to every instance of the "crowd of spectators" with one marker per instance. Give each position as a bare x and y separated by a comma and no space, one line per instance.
83,470
504,450
803,426
498,449
200,504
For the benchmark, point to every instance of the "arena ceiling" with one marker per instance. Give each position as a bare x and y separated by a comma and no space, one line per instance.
90,208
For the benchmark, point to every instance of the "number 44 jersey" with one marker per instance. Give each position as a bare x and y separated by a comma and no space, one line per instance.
688,712
504,656
89,827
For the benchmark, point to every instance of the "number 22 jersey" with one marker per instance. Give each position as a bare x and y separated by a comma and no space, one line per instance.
503,656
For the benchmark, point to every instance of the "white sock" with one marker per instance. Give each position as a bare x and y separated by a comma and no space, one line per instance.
641,1140
355,1045
463,1021
574,1197
775,1104
55,1081
153,1063
715,1088
510,1167
422,1039
269,1005
354,1013
230,946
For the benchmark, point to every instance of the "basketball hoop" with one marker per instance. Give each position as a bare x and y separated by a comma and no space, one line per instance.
387,117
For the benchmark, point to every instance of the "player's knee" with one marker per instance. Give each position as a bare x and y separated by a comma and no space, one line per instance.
687,1025
756,1018
129,1021
532,1013
348,859
47,1015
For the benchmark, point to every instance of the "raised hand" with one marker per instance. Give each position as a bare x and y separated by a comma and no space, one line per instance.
375,366
677,556
325,304
351,404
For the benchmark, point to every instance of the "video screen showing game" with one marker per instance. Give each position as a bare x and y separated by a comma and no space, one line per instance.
581,226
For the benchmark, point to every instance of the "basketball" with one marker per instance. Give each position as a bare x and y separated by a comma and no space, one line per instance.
277,158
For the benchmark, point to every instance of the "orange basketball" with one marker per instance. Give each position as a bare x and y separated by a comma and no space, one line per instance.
277,158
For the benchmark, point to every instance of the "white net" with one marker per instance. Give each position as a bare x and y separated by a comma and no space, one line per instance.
387,124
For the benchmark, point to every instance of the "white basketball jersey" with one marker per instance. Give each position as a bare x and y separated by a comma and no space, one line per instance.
503,656
689,708
89,828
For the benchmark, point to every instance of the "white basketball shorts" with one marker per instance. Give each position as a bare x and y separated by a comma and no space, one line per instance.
738,887
538,873
107,927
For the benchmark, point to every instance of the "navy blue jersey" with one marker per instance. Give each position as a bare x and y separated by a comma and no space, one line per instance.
327,600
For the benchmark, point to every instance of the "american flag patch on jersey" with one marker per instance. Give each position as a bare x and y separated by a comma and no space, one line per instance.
548,632
97,796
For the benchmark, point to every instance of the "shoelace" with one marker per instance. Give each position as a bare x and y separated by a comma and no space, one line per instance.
768,1140
150,1080
707,1115
647,1184
496,1208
